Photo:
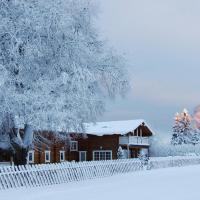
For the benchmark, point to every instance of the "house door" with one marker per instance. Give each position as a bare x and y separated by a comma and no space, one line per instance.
82,156
134,153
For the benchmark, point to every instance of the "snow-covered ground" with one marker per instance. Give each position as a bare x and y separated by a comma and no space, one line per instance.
162,184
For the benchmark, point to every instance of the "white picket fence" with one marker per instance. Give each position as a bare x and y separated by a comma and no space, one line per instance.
176,161
49,174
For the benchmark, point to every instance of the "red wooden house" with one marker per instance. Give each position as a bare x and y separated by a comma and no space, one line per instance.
101,143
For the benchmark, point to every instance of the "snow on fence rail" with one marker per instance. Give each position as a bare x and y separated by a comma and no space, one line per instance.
49,174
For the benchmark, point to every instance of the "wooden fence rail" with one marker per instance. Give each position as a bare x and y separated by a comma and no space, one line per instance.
49,174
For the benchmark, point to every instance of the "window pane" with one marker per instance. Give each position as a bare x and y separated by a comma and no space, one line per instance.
96,155
108,155
47,156
61,156
74,145
30,156
102,155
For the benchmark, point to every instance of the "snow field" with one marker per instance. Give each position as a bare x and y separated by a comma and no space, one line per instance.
161,184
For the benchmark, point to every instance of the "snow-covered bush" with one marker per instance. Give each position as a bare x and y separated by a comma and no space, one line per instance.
120,153
165,148
144,157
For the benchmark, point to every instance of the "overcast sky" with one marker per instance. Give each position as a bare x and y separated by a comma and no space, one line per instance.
161,41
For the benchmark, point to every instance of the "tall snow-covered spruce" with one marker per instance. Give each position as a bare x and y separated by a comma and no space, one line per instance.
181,128
183,132
55,71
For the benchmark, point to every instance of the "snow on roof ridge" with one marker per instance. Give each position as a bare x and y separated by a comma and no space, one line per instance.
113,127
114,121
118,121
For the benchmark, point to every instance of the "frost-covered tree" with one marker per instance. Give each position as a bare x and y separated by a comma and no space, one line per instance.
195,137
55,71
196,117
182,131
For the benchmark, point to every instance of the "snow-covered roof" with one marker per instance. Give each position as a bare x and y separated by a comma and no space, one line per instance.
113,127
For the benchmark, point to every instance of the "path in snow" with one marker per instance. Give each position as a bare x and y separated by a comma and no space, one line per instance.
162,184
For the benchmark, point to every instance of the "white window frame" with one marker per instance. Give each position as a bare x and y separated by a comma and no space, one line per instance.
80,156
33,154
76,149
62,152
110,151
49,152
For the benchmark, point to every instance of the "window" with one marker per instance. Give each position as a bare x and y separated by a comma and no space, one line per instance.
102,155
47,156
82,156
30,158
62,156
73,146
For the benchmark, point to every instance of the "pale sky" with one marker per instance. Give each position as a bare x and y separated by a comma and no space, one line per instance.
161,41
